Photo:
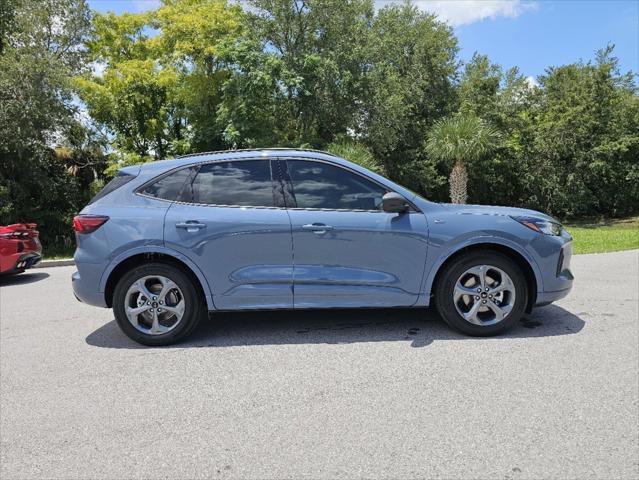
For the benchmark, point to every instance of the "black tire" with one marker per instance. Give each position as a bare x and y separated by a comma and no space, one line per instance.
194,305
444,299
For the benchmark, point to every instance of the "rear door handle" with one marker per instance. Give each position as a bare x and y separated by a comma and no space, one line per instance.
191,225
317,227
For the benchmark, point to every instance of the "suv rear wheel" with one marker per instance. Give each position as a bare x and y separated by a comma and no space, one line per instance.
482,294
157,304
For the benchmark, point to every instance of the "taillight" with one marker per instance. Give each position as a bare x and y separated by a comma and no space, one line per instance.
88,223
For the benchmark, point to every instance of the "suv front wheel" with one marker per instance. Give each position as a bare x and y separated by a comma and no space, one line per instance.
482,293
157,304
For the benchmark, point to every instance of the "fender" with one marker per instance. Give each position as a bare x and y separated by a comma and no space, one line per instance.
449,251
166,251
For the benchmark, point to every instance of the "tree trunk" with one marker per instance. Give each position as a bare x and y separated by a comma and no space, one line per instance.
458,183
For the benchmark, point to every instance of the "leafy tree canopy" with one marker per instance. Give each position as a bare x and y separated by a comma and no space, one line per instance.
83,93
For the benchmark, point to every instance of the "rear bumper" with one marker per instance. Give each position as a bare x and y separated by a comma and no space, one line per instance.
29,260
84,290
23,262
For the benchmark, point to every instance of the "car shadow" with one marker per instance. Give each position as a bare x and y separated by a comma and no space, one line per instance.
420,327
22,278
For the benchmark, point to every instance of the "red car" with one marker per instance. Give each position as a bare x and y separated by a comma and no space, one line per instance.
20,247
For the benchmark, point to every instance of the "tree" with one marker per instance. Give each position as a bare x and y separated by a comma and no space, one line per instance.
129,95
7,21
356,152
40,53
194,40
480,86
159,93
582,152
308,56
410,68
461,139
502,99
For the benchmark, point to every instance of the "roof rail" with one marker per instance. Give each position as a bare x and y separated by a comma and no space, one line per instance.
255,150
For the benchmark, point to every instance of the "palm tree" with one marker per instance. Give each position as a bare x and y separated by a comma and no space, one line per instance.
461,139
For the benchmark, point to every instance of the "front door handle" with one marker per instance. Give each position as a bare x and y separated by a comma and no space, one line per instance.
318,228
191,225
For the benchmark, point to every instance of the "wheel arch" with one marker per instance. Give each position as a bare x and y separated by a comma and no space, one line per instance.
125,263
526,264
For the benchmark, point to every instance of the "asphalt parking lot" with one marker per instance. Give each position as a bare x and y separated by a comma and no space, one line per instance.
334,394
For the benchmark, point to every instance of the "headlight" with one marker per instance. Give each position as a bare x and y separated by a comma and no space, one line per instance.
540,225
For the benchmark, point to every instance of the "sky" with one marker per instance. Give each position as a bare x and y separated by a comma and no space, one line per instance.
530,34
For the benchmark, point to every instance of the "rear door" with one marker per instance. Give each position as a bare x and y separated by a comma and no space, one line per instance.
348,252
231,222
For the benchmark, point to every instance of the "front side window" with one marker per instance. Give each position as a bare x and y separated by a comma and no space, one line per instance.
239,183
321,185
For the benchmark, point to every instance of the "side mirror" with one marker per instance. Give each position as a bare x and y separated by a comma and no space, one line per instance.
394,203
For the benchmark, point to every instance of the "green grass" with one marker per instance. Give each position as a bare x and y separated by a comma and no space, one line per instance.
605,235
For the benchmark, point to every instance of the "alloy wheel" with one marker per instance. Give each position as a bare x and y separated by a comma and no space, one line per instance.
154,304
484,295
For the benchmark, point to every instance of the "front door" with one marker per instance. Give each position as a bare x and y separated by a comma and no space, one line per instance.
347,251
230,225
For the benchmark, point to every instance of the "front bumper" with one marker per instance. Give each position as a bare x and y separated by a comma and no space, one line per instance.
560,280
546,298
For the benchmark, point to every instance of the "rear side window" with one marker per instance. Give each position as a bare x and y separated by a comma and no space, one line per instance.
240,183
320,185
120,179
170,186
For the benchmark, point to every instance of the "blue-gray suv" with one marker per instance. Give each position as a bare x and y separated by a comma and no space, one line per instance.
166,242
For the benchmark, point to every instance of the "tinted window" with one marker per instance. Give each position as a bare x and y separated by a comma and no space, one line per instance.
170,186
320,185
120,179
246,183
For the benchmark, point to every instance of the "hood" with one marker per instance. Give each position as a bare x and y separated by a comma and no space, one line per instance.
492,210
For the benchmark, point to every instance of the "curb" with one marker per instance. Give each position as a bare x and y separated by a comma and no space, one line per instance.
55,263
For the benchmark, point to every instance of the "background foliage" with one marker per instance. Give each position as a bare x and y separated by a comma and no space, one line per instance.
83,93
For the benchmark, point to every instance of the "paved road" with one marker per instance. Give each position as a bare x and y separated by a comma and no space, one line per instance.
387,394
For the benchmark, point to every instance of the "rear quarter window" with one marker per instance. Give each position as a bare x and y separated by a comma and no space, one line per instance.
119,180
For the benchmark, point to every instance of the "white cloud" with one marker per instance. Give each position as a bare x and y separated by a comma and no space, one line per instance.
464,12
532,82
